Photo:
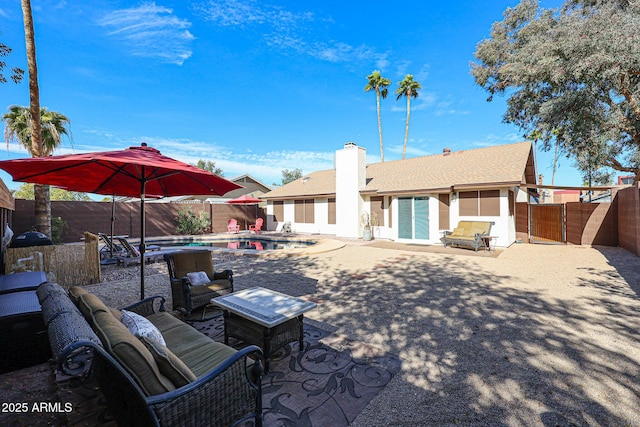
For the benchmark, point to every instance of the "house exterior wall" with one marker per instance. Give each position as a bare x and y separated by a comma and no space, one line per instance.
350,204
504,224
383,230
320,213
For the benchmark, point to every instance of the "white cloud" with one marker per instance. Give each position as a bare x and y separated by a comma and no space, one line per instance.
151,31
265,166
244,13
422,74
285,29
414,149
422,102
491,140
447,108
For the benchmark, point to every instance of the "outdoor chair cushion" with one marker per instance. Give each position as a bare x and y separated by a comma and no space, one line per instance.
198,278
139,326
131,353
475,231
458,231
168,363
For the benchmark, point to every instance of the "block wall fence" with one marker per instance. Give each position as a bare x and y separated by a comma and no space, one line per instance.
608,224
161,218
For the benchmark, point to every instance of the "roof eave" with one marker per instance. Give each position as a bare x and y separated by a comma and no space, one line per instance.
299,196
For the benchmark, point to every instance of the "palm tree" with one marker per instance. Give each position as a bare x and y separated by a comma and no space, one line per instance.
409,88
379,84
42,203
18,127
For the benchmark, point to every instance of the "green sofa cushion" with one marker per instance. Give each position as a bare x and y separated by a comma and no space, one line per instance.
90,304
168,363
131,353
200,353
75,292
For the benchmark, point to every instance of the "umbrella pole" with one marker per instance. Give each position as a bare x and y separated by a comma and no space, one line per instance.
142,233
113,214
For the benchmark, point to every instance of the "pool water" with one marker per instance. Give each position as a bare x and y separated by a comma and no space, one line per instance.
242,244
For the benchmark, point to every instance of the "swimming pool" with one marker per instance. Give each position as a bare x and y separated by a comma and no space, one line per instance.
239,243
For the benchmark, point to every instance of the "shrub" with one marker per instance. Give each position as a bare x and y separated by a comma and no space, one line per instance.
190,223
58,229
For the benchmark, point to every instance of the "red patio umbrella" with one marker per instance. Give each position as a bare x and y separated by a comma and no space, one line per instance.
245,200
134,172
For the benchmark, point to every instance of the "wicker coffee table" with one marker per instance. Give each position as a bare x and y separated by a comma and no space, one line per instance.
263,317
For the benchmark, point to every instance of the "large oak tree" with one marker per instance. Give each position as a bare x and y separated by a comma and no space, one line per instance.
572,77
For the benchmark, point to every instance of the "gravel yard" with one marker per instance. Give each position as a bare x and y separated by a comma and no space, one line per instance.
538,336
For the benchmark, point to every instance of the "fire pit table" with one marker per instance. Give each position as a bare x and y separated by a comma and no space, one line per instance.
263,317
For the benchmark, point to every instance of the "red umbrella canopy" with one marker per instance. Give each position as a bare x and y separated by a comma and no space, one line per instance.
120,173
134,172
244,200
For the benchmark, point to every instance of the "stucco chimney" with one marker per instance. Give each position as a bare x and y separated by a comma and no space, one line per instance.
446,151
351,177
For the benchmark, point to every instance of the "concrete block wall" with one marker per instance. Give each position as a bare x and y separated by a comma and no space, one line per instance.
592,223
160,217
629,219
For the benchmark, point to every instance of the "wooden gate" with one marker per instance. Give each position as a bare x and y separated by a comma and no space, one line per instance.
547,223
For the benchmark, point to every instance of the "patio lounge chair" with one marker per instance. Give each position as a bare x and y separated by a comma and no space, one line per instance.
109,248
232,226
119,246
194,281
132,254
257,226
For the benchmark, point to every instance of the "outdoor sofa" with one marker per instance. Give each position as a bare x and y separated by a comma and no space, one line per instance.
472,234
193,381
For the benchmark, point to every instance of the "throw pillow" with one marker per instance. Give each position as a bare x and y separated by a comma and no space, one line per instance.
198,278
168,363
141,326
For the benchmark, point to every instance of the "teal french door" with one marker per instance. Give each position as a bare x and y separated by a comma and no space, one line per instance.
413,218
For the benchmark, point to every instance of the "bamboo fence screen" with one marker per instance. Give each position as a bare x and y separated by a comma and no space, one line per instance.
68,265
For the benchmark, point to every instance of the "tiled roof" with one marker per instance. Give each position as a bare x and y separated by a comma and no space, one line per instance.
499,165
319,183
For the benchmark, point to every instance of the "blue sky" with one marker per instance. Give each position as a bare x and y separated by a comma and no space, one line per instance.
261,86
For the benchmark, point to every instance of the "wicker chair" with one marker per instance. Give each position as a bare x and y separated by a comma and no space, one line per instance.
185,296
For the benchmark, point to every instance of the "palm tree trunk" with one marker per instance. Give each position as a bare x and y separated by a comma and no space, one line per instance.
42,196
406,128
42,202
379,124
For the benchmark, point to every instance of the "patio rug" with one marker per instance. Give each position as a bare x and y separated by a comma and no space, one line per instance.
327,384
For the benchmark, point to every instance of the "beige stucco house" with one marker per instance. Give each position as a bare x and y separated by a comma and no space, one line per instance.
412,200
